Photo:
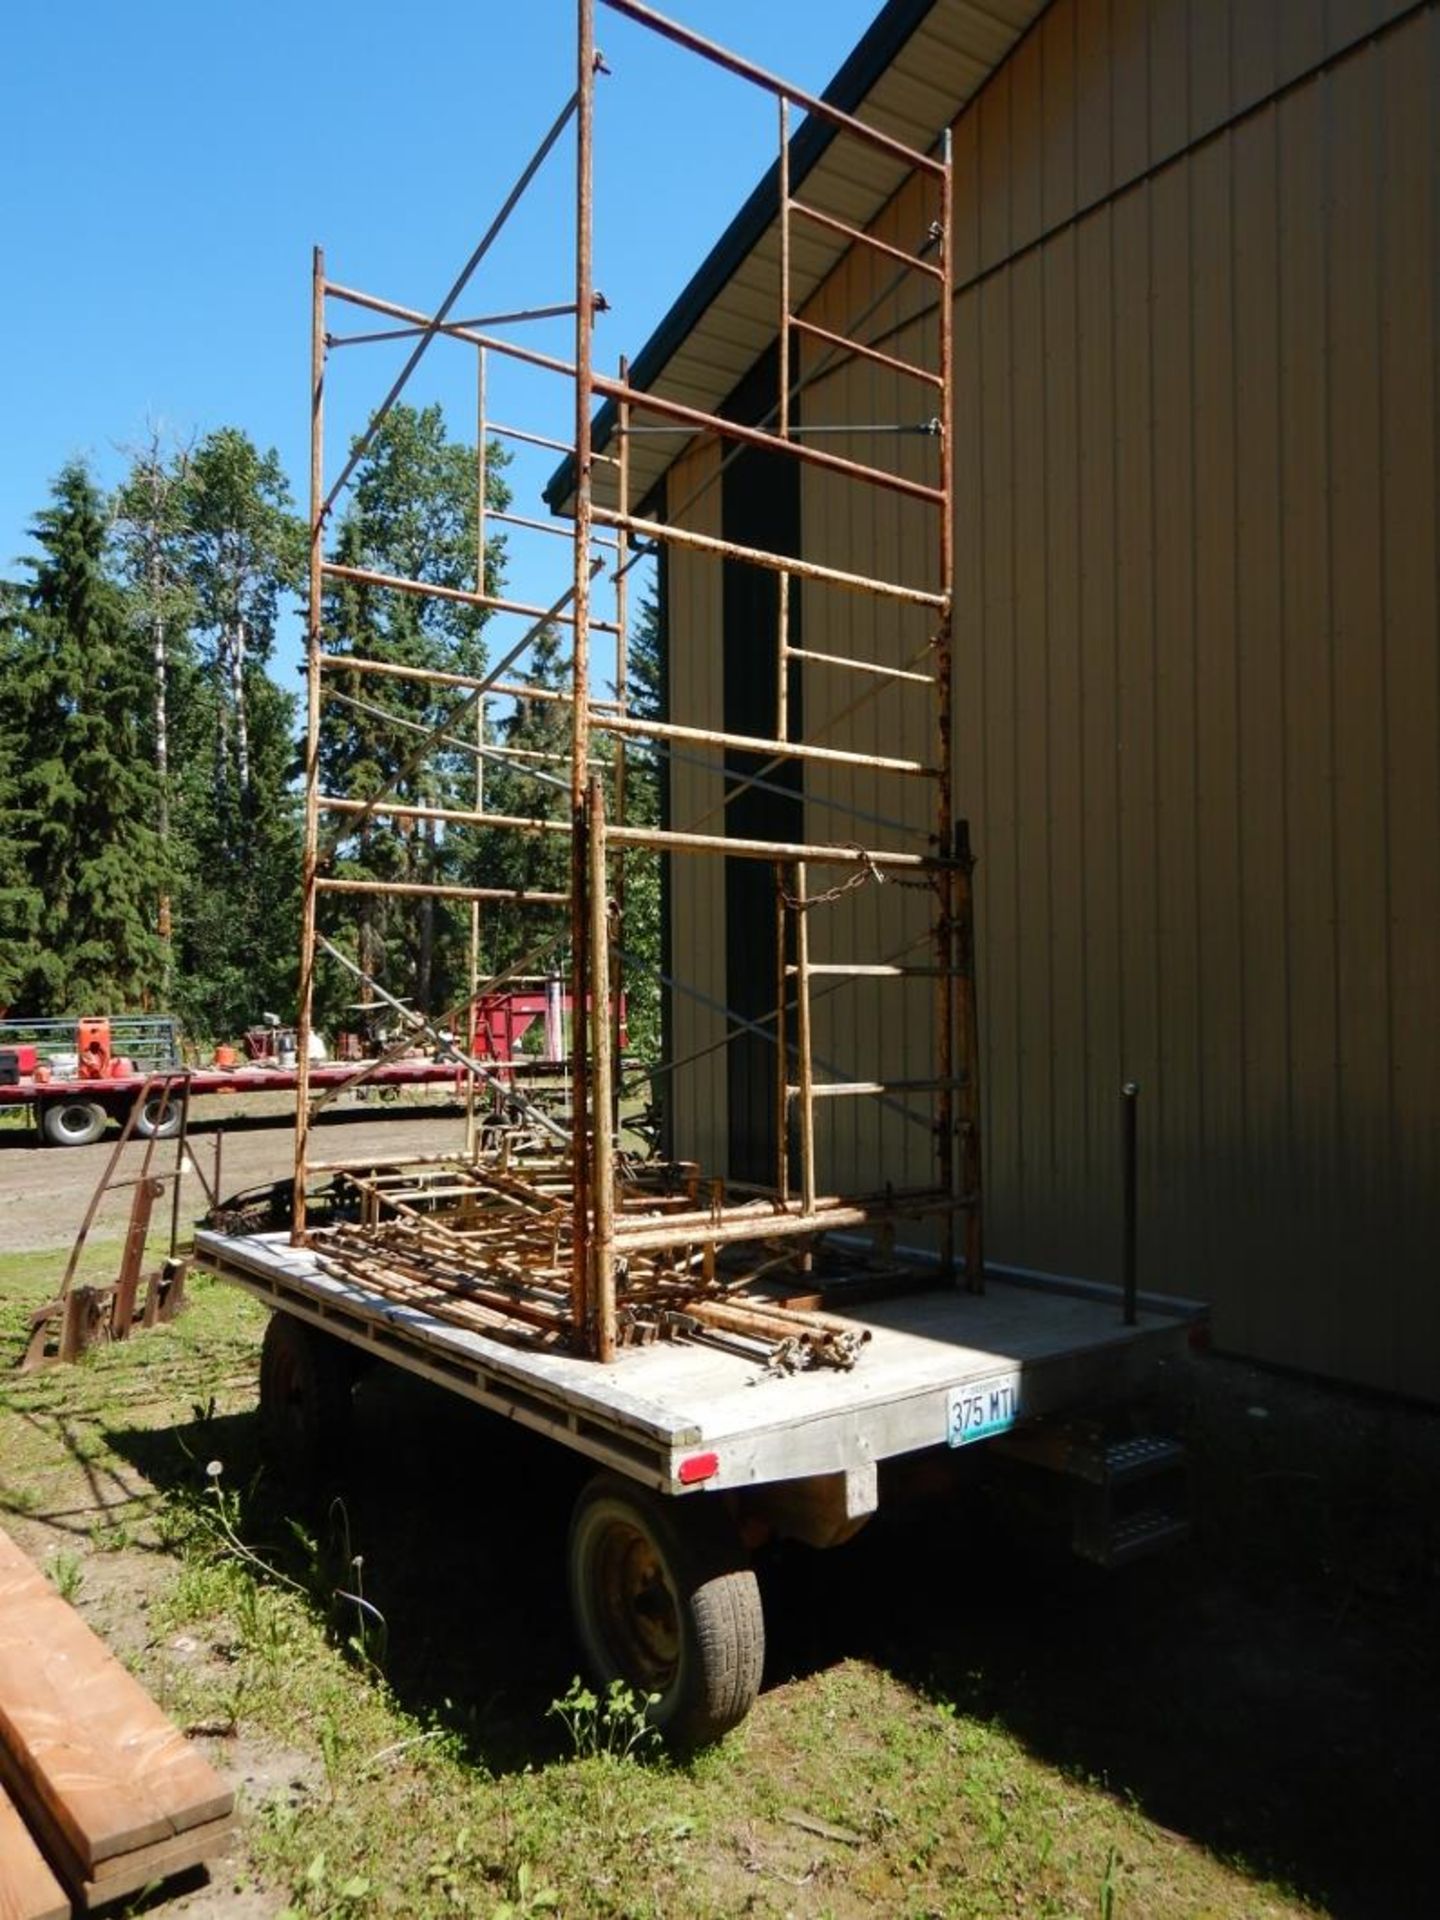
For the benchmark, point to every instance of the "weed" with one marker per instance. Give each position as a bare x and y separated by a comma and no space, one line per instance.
526,1897
68,1575
1107,1886
320,1892
331,1754
617,1725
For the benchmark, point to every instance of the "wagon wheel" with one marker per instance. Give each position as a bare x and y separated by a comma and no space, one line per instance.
306,1384
663,1600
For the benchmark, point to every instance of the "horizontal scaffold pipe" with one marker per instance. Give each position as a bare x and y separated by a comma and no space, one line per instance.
662,532
906,368
751,743
432,890
767,1220
494,431
852,665
732,63
858,237
474,320
465,596
661,839
854,1089
394,670
454,816
626,395
372,303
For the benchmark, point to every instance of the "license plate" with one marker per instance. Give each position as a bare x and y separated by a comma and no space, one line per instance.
982,1408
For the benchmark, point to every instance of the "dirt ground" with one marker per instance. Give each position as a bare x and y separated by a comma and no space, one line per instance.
44,1191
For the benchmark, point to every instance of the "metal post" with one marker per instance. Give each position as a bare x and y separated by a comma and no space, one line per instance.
603,1168
782,671
313,646
805,1074
622,696
782,1063
481,478
1129,1099
944,818
580,703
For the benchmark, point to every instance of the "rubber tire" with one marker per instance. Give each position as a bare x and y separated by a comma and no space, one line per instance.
306,1399
73,1123
714,1601
165,1129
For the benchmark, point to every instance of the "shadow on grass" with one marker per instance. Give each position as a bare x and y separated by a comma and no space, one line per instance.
1271,1691
1258,1693
460,1521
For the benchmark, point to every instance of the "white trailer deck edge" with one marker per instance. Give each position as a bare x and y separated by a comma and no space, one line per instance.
657,1407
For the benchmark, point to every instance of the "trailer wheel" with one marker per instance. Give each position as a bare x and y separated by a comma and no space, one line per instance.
662,1599
73,1123
158,1118
306,1382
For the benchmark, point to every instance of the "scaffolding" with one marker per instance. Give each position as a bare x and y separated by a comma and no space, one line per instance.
546,1229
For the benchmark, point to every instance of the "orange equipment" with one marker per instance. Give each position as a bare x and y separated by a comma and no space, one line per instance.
92,1043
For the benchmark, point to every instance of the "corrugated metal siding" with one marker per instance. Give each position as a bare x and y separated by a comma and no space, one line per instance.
1197,532
1198,660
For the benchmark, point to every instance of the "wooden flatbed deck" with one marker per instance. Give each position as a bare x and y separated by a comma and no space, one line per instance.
656,1407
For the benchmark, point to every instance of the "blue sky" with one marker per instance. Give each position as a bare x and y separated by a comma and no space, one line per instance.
165,170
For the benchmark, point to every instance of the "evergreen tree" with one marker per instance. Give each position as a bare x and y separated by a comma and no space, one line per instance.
237,903
234,811
151,512
644,893
531,781
412,514
83,870
246,548
20,897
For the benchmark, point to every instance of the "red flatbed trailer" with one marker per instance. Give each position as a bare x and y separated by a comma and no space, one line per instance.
75,1112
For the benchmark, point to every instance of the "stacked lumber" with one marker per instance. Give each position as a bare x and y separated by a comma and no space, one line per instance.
28,1889
108,1786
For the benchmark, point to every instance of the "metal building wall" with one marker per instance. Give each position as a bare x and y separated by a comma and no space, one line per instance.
1198,657
1198,503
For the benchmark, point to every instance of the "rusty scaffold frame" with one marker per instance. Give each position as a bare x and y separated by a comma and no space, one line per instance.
552,1233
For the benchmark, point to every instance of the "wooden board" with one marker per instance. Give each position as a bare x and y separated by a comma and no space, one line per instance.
82,1744
28,1889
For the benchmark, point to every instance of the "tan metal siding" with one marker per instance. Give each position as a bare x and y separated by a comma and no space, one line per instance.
1201,734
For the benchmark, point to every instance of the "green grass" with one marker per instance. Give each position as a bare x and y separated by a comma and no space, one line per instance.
851,1790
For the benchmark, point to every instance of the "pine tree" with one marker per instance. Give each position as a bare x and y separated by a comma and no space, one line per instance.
85,861
20,898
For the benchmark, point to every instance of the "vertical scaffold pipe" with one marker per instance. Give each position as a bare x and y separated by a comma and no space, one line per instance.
313,638
603,1166
582,1023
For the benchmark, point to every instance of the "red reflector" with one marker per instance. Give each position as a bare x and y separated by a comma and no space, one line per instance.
700,1466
